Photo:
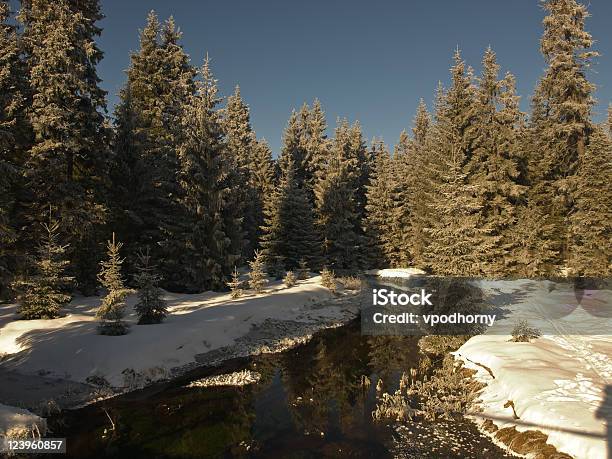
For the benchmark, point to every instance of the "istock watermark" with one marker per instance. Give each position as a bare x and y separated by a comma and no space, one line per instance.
466,306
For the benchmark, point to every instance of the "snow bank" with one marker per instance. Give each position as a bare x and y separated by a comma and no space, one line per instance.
396,272
237,378
557,383
70,348
17,422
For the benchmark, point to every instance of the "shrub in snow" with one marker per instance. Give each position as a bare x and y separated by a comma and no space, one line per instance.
523,333
43,294
257,278
302,271
449,393
328,279
235,285
112,308
351,283
151,307
290,279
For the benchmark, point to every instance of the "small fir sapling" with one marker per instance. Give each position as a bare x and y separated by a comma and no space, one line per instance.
290,279
235,285
523,333
111,311
328,279
257,278
44,293
151,307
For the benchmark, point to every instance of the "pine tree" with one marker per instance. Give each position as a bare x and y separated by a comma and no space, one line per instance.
590,250
213,237
14,136
289,232
66,165
257,278
315,144
412,159
145,165
44,293
242,146
293,149
560,123
111,311
235,285
457,236
336,204
151,307
494,164
381,195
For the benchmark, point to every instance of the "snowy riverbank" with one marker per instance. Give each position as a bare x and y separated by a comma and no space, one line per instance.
559,384
66,361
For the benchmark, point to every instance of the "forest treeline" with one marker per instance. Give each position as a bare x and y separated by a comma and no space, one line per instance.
478,188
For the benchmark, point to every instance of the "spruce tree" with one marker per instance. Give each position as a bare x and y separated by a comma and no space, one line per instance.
242,147
590,249
14,136
112,309
289,232
494,166
381,195
412,160
213,234
148,125
292,149
336,205
315,144
43,294
560,124
66,165
257,278
151,307
458,237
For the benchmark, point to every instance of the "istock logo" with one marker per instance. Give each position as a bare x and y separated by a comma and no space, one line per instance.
384,297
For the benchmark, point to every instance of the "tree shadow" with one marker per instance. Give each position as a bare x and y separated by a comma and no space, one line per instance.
605,412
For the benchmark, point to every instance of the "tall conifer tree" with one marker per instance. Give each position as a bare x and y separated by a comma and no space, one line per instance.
213,234
66,164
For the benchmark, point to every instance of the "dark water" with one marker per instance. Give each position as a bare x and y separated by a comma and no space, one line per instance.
308,404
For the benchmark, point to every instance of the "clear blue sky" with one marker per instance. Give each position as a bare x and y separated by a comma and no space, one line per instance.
365,60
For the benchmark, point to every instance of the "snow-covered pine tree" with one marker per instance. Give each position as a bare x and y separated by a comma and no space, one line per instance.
560,123
381,235
66,165
457,236
148,125
14,136
257,277
43,294
235,285
494,164
289,232
242,145
151,308
590,249
213,234
336,205
411,158
293,148
315,144
112,309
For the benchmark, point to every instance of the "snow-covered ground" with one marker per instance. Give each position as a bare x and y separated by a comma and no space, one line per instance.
20,423
560,384
394,273
66,352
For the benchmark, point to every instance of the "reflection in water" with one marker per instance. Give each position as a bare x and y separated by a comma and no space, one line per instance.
309,403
